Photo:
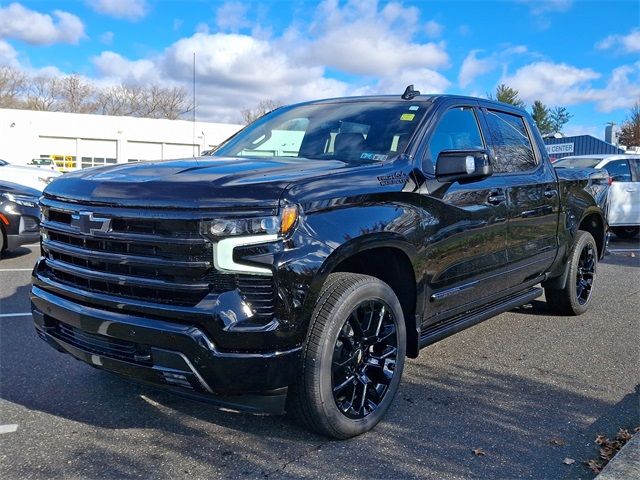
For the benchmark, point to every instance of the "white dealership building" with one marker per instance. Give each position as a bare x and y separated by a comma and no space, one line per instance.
92,140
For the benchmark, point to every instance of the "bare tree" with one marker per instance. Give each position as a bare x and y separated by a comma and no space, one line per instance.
12,86
43,93
171,102
265,106
76,95
630,130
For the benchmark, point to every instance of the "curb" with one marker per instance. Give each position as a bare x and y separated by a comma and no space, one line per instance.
626,463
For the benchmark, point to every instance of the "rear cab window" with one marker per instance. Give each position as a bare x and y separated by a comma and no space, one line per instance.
511,147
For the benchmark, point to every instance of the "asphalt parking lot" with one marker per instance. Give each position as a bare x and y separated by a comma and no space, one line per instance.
509,386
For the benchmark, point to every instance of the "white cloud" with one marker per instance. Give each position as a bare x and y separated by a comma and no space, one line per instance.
115,66
232,16
38,28
433,29
423,79
571,130
233,71
361,38
125,9
541,7
106,38
629,43
552,83
8,55
472,67
562,84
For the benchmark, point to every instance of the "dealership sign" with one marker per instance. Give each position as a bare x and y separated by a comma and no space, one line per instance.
560,148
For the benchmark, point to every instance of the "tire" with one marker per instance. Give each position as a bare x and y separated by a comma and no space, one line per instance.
2,245
626,232
351,365
575,297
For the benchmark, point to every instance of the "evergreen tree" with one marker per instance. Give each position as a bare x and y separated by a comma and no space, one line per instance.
559,116
540,114
506,94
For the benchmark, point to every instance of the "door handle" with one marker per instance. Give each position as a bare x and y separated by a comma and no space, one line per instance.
550,193
496,198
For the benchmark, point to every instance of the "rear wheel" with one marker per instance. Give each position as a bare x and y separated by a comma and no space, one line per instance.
2,244
575,297
626,232
353,359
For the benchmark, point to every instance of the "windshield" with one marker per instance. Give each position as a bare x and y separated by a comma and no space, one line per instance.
3,163
348,131
574,162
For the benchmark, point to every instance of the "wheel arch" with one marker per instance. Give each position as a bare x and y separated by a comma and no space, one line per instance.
389,259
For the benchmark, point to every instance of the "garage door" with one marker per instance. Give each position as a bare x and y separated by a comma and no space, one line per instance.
143,151
177,150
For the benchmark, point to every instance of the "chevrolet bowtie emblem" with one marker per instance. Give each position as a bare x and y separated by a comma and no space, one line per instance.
85,222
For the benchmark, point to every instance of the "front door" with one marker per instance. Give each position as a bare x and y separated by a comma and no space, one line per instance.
464,249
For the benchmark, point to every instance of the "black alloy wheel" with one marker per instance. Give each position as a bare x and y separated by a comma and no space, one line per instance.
364,359
575,296
586,273
352,359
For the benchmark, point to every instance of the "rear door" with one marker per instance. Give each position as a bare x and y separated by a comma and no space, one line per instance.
532,193
464,249
624,192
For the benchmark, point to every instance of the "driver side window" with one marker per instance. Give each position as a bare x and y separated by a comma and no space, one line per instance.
457,130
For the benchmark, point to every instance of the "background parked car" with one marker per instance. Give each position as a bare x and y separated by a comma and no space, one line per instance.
623,202
45,163
28,176
19,215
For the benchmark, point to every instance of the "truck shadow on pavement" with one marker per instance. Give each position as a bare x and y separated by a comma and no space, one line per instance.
109,427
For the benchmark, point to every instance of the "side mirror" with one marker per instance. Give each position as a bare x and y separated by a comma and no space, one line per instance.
462,165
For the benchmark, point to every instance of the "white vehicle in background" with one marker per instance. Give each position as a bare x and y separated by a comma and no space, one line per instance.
33,177
623,203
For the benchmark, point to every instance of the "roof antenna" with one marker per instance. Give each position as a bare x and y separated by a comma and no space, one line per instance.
410,93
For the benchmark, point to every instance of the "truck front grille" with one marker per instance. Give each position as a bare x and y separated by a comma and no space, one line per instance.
151,259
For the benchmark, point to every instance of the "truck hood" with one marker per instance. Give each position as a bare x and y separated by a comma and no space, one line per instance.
211,182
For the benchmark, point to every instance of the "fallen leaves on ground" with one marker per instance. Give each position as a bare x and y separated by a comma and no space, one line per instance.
478,452
568,461
594,465
608,448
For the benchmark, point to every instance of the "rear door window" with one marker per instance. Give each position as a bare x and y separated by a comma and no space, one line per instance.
619,170
510,143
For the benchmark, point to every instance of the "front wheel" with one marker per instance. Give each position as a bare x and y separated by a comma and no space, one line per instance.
353,358
575,297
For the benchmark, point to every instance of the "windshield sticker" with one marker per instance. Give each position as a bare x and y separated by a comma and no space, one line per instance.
407,116
399,178
373,156
413,108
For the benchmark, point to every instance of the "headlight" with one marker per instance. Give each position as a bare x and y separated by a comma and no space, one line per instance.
227,227
23,200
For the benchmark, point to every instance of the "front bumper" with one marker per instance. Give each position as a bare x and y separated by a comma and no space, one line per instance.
176,356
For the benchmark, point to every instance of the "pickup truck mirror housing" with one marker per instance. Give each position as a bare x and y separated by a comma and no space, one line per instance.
462,165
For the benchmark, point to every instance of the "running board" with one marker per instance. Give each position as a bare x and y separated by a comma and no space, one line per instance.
438,331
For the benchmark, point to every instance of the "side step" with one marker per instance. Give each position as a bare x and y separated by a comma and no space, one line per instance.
445,328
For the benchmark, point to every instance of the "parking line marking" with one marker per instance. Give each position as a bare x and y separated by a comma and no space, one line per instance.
12,427
624,249
7,315
16,269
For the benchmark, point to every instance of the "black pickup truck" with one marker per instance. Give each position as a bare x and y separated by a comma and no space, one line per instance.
296,268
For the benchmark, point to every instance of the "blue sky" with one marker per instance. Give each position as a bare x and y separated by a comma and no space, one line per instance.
584,55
